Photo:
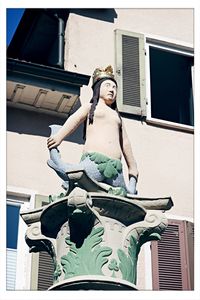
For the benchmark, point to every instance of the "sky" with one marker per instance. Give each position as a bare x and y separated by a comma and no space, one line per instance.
13,17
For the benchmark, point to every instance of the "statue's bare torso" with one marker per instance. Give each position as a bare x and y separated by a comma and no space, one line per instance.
103,136
106,134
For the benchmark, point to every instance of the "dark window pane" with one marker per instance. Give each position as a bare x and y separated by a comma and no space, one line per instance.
39,38
171,86
12,222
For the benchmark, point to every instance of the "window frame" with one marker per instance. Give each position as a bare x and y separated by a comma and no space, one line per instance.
25,198
172,47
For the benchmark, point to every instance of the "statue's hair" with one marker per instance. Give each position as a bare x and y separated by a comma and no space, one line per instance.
94,100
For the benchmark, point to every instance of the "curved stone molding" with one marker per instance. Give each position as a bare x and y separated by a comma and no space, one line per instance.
154,221
32,216
39,242
93,282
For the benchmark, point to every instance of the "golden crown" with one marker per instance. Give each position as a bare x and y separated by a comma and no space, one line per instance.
100,73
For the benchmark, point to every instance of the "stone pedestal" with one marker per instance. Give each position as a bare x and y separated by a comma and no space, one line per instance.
94,238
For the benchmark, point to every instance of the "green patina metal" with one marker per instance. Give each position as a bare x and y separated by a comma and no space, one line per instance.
107,167
89,258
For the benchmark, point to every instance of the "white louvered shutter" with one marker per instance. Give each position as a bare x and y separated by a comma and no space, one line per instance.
130,72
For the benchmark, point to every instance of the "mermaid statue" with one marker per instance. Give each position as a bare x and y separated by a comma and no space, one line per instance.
106,140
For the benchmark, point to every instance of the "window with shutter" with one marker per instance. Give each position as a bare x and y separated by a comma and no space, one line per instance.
172,257
42,265
130,72
168,67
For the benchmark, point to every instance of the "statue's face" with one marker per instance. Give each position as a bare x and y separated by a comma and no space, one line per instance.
108,91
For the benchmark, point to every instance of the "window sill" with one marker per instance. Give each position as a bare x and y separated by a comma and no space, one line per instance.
170,125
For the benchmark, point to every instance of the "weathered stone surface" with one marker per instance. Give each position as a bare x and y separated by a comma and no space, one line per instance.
94,237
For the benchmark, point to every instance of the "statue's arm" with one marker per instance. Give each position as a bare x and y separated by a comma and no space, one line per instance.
128,154
69,126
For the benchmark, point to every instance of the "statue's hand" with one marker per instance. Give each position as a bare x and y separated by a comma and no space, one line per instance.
132,185
53,141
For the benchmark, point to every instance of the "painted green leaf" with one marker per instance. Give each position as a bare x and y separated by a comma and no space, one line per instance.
100,255
107,170
128,263
57,272
94,238
106,166
113,265
98,158
124,263
71,244
89,258
110,171
118,191
132,249
70,264
117,165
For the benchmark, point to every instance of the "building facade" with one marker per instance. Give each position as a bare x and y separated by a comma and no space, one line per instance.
49,63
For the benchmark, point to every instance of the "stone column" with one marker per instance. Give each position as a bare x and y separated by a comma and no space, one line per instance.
94,238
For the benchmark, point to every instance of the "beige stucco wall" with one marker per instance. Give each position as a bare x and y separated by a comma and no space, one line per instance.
26,164
27,152
90,42
164,156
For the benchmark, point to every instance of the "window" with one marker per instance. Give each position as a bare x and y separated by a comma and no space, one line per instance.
39,37
12,223
18,260
154,79
173,257
171,94
25,271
